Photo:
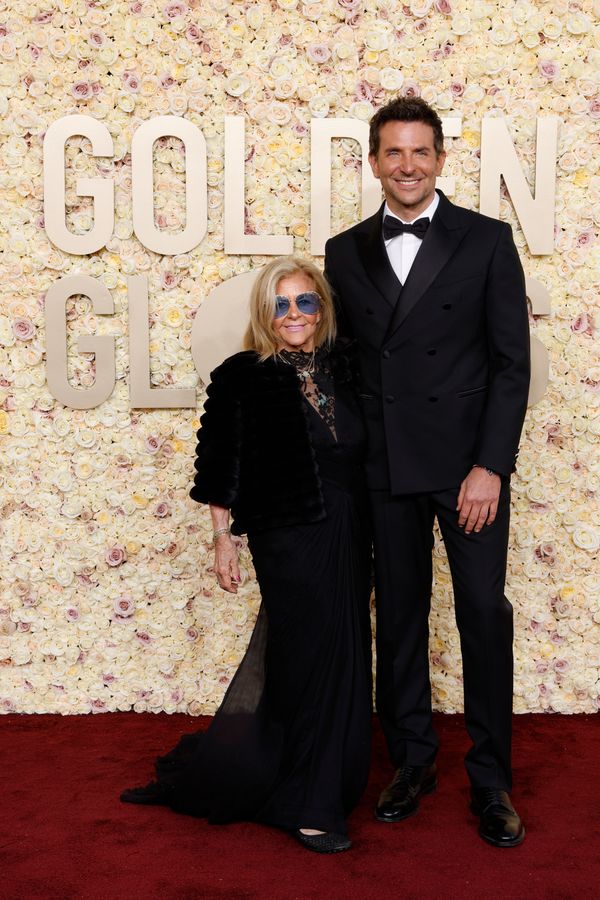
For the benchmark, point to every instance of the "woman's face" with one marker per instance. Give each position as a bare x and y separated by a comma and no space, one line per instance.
295,330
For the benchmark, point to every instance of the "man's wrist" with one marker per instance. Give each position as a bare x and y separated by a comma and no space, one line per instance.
485,469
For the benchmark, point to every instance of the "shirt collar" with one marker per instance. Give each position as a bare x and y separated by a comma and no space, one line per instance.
426,214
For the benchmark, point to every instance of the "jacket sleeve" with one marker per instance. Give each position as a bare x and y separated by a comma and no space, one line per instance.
217,461
344,330
508,342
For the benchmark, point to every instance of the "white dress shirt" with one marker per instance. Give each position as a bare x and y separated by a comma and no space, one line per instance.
403,248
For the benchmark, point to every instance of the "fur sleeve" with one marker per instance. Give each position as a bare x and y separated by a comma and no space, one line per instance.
217,461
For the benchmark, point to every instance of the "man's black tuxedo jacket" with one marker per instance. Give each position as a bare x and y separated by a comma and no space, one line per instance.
444,359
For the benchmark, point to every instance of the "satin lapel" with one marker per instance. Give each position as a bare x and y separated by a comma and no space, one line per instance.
439,244
374,258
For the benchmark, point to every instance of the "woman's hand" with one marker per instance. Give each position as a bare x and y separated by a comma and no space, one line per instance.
226,564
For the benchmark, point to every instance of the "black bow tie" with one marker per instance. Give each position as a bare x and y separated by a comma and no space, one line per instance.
392,227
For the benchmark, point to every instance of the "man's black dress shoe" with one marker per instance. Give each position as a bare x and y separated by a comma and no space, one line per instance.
400,799
499,822
328,842
151,794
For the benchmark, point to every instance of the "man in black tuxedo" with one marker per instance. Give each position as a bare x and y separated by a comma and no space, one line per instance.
434,296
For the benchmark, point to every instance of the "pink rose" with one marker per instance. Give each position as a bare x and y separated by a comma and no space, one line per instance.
364,91
23,329
72,614
169,280
548,69
583,324
594,107
443,7
34,51
44,17
124,606
135,8
167,81
161,510
143,637
132,82
115,556
193,34
411,89
96,39
153,443
174,9
457,88
585,238
318,53
192,634
82,90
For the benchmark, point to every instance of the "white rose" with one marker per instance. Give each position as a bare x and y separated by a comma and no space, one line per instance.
236,85
319,107
586,538
391,79
460,23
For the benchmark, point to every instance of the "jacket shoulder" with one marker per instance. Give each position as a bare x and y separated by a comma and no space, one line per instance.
477,220
364,227
238,364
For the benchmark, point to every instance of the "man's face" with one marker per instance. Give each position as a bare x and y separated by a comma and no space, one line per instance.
407,165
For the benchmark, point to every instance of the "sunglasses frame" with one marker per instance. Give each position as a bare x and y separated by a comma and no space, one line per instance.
297,300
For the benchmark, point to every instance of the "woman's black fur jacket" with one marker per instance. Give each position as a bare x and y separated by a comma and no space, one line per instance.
254,453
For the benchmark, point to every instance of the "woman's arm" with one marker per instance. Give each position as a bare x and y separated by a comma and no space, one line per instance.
226,564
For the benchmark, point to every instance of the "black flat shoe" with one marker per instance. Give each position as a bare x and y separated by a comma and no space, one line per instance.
400,799
328,842
499,822
151,794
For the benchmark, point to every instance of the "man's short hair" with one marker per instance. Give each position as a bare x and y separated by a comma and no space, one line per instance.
405,109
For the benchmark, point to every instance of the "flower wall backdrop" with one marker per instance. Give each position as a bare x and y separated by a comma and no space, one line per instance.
107,600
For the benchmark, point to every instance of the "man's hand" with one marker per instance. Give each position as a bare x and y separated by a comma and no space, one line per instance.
478,500
226,565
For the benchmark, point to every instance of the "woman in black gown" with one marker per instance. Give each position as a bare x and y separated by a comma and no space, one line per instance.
280,448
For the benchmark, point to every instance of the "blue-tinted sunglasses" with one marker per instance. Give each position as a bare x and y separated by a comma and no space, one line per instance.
307,303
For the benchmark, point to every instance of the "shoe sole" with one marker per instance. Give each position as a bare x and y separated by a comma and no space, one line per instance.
428,788
504,844
316,849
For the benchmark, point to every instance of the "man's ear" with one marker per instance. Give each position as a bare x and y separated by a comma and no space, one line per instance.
441,159
374,165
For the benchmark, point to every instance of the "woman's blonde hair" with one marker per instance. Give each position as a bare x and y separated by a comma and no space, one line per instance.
260,334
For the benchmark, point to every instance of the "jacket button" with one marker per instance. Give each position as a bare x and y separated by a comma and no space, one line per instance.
431,352
433,399
447,306
386,354
390,398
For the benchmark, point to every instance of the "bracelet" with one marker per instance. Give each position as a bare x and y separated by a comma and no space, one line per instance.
489,471
220,531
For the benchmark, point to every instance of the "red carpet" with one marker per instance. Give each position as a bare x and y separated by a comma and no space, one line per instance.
65,836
